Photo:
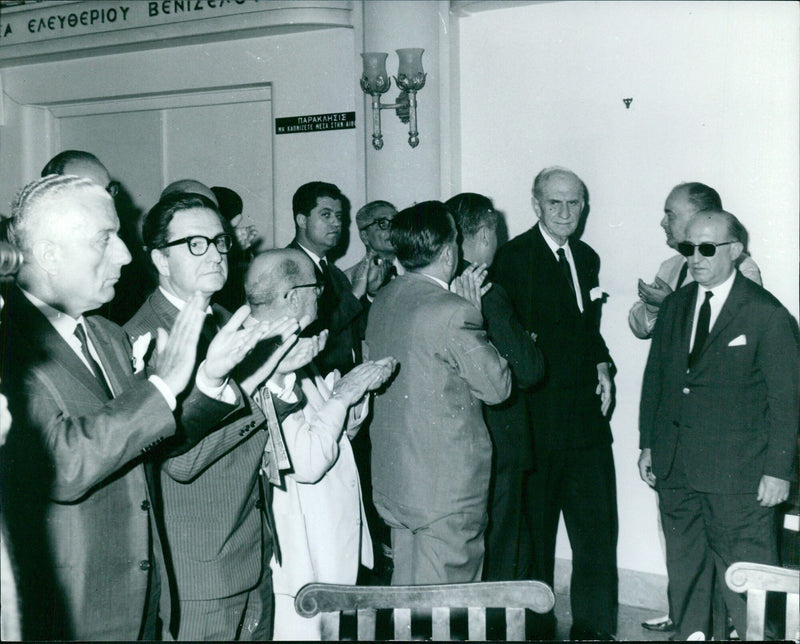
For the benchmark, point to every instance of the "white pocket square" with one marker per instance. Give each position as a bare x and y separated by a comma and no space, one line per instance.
738,341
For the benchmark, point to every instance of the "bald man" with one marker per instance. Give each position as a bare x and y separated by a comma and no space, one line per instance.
718,421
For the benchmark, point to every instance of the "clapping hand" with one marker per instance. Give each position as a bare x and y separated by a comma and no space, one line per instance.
367,376
470,284
232,343
303,352
654,294
177,351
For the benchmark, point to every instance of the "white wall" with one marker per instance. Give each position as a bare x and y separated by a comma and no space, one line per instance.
715,99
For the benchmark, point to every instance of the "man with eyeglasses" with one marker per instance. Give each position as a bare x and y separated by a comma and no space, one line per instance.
552,279
379,264
318,507
215,511
683,201
718,421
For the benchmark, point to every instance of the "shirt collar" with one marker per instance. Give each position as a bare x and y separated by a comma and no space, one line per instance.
720,291
63,324
552,245
314,257
441,283
177,302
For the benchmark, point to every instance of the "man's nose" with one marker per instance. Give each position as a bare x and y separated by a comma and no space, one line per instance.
121,252
213,254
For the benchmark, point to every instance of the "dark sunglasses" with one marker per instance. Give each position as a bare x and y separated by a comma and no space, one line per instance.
707,249
198,244
383,224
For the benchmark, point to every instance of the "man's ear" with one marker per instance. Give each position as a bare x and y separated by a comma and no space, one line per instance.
536,207
301,221
46,254
363,235
159,258
736,250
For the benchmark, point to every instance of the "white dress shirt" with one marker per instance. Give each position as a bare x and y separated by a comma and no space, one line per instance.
551,243
721,292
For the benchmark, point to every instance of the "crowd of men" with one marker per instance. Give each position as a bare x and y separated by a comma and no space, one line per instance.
430,413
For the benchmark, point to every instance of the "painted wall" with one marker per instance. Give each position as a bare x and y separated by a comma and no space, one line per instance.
715,99
310,73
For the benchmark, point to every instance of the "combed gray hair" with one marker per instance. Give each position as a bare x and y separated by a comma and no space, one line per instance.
545,174
29,218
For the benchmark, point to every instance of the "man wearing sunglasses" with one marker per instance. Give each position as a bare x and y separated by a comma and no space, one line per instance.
215,509
683,201
379,265
718,421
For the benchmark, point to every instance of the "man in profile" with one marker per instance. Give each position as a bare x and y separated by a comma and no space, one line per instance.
552,279
431,451
508,553
135,281
718,422
74,492
684,201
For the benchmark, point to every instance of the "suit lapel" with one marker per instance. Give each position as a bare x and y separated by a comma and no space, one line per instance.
48,345
690,299
552,274
110,358
583,270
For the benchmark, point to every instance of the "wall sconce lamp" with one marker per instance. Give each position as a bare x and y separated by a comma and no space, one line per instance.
410,79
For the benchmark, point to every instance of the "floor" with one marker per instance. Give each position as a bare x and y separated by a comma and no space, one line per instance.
629,621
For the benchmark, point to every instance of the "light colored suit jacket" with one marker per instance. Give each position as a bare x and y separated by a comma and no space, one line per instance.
212,494
734,414
319,513
75,497
431,451
642,317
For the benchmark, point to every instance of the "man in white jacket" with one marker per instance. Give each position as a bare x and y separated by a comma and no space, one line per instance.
319,514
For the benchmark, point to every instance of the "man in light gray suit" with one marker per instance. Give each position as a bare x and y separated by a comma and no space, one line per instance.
431,451
215,506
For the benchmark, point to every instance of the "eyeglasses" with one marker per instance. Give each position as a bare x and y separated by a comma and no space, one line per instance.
707,249
113,189
382,223
318,288
198,244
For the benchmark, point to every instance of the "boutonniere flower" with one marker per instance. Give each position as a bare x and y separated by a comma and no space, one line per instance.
140,347
596,294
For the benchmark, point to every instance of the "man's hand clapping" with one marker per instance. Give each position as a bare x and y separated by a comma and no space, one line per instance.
470,284
367,376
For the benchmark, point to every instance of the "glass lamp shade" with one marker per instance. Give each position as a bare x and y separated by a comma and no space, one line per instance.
375,80
410,62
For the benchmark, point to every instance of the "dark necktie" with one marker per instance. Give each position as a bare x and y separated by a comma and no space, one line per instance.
682,275
563,264
96,370
703,323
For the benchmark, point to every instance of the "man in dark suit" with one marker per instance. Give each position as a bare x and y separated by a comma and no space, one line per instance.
508,553
552,280
718,421
317,210
215,512
431,452
74,492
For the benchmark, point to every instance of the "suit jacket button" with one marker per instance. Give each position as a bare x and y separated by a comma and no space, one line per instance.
260,504
676,423
144,565
686,390
145,505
